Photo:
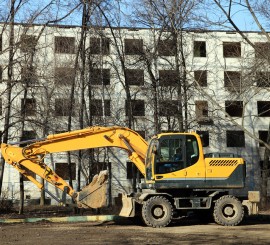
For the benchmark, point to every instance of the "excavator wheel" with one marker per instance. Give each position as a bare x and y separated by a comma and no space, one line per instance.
228,211
157,211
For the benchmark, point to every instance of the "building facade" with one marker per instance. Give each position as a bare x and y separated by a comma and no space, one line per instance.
212,82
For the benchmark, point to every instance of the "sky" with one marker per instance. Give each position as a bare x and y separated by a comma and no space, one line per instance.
59,8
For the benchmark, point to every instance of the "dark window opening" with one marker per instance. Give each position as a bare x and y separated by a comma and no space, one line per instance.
234,108
231,49
201,77
131,170
232,80
1,74
28,74
62,169
65,45
262,50
99,46
263,79
62,107
64,76
1,107
28,43
135,77
28,107
204,137
199,49
27,135
141,133
168,108
235,138
97,109
168,78
166,47
133,46
263,108
263,136
136,107
100,77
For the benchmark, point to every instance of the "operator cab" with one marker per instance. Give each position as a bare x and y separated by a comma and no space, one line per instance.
169,153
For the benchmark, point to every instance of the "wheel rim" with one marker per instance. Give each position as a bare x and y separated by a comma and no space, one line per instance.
229,211
159,212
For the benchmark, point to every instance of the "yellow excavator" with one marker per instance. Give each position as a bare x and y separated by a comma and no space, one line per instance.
178,176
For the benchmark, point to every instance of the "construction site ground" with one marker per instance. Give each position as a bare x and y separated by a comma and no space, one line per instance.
187,230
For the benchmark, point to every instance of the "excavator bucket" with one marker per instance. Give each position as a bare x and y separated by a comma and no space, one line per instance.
94,195
128,206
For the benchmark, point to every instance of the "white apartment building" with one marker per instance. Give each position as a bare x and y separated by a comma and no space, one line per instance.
224,92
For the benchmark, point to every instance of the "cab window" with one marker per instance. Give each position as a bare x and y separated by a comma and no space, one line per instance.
170,155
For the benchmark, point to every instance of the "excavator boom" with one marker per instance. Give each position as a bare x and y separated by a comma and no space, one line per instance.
31,158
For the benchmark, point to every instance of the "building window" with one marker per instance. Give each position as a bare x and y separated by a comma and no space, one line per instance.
62,169
199,49
137,108
100,77
28,75
1,106
234,108
201,110
97,108
166,47
263,108
132,170
27,135
263,79
262,50
28,107
204,137
28,43
99,46
135,77
263,134
168,78
235,138
133,46
168,108
62,107
231,49
201,77
232,80
64,76
65,45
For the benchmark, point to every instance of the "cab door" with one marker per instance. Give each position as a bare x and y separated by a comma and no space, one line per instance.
178,163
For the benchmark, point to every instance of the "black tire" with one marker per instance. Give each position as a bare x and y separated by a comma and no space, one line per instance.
157,211
228,211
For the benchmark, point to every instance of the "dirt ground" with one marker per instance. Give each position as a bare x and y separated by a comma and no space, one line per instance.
253,230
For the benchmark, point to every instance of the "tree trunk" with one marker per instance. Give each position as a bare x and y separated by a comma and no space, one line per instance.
265,174
9,88
21,206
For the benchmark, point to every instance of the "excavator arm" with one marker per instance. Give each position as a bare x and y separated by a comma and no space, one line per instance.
30,158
